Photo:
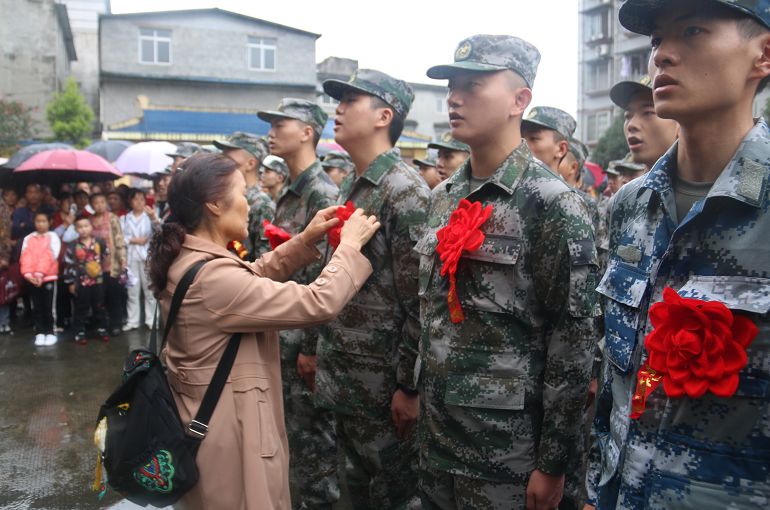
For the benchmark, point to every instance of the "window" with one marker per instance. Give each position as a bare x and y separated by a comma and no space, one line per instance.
154,46
441,105
328,100
598,75
597,25
261,54
634,65
596,124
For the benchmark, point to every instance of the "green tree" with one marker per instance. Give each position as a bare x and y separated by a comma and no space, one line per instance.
611,145
16,125
69,115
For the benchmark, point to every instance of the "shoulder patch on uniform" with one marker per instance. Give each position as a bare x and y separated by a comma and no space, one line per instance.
752,175
629,253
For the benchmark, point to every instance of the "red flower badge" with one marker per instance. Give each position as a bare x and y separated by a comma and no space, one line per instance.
343,213
461,235
276,236
695,346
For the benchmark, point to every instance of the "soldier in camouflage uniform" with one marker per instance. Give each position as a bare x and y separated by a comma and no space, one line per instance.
248,150
366,360
428,171
337,165
451,155
273,174
183,151
296,128
697,223
503,390
547,131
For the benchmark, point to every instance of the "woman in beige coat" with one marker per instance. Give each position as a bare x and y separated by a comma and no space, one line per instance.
243,461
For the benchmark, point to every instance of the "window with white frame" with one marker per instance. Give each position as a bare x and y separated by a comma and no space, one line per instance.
596,124
441,105
328,100
598,75
597,25
154,46
262,53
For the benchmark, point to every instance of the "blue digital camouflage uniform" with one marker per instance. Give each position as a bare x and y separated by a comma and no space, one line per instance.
371,348
502,392
710,452
311,431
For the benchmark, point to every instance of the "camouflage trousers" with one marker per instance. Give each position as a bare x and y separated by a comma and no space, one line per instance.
312,445
575,476
440,490
380,469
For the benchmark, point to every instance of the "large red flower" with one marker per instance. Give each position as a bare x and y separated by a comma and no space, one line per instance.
275,235
695,346
343,213
461,235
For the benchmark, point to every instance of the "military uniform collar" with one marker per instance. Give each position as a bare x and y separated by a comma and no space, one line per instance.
505,175
743,179
297,186
380,166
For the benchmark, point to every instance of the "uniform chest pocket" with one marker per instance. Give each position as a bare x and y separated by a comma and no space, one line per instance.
485,391
625,287
488,279
426,249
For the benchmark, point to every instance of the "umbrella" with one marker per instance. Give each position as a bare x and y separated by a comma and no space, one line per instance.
324,147
146,158
109,149
63,165
30,150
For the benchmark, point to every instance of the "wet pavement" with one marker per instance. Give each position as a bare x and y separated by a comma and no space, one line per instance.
49,399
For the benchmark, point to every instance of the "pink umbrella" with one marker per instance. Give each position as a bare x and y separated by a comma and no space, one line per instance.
66,165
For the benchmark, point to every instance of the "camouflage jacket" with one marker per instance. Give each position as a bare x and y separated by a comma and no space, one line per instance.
712,452
297,204
503,391
372,345
261,208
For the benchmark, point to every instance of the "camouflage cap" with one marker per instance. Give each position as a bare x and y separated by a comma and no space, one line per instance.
447,142
338,159
397,93
622,92
256,145
185,150
427,161
627,165
639,15
210,149
611,170
276,164
487,53
579,150
550,118
298,109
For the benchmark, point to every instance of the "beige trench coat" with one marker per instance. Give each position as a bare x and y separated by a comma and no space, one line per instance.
244,459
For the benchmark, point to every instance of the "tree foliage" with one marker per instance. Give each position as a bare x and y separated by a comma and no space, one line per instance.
69,115
16,125
611,145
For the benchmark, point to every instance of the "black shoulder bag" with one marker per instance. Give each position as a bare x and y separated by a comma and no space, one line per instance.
148,453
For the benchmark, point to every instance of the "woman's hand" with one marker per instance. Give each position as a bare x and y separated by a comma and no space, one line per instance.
358,229
320,224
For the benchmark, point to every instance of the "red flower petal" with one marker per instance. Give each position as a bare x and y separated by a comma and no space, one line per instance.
725,387
744,330
696,388
672,388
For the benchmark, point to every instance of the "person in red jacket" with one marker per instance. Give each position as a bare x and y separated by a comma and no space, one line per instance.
40,267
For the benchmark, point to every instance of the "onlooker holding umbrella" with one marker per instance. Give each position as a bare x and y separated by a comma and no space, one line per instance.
137,228
106,226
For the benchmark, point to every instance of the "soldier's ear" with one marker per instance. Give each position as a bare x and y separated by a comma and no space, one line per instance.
522,99
761,68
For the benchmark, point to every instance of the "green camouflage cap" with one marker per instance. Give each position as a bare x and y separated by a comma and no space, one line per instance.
426,161
256,145
276,164
627,165
486,53
611,170
639,15
550,118
338,159
185,150
298,109
622,92
397,93
579,150
447,142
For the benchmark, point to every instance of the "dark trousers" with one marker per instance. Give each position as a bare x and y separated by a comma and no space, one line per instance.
42,307
63,305
115,302
87,299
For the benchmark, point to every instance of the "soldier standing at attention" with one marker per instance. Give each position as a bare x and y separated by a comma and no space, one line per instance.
367,355
273,174
507,269
248,150
451,155
295,130
547,131
683,409
428,171
337,165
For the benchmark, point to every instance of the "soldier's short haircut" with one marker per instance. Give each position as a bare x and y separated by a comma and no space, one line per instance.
558,137
397,124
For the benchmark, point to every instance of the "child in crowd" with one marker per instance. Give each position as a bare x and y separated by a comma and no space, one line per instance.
106,226
84,273
40,267
116,204
137,228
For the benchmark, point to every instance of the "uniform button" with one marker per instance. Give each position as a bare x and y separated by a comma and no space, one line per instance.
321,281
332,269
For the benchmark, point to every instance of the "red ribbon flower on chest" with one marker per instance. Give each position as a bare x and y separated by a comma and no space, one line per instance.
276,236
461,235
342,214
695,346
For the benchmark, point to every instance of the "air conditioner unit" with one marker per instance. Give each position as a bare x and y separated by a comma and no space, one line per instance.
603,50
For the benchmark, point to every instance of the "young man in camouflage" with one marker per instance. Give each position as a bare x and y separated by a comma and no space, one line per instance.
366,358
451,155
427,168
337,165
296,127
698,224
248,150
503,390
273,175
547,131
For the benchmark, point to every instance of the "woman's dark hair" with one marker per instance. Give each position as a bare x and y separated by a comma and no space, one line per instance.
134,192
205,179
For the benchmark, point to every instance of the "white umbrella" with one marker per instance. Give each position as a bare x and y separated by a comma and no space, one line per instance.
146,158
